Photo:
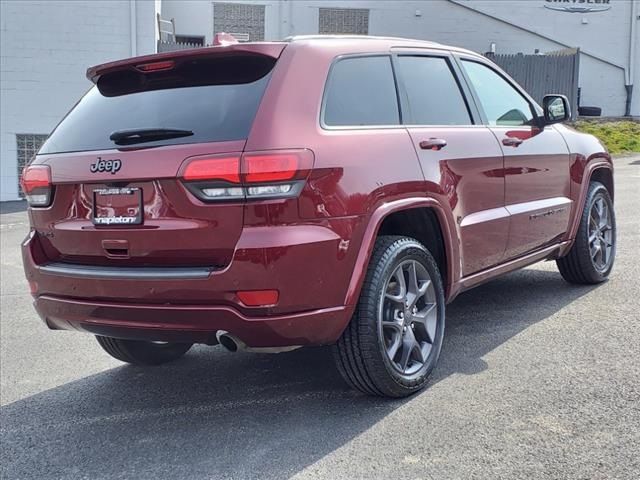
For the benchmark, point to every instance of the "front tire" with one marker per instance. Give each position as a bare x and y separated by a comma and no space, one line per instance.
138,352
393,341
591,257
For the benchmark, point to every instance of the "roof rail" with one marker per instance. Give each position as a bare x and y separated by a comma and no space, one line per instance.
294,38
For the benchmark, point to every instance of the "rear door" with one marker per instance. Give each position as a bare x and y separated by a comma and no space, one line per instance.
536,161
115,161
460,157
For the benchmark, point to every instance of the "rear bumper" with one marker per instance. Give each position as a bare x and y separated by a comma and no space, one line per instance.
308,264
192,324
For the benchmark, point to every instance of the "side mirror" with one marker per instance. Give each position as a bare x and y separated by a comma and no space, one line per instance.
556,109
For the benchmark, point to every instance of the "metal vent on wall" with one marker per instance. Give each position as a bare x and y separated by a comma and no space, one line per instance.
244,21
27,145
343,21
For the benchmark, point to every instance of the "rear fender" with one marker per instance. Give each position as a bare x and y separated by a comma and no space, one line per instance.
447,225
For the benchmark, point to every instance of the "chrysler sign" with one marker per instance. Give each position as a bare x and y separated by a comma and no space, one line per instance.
578,6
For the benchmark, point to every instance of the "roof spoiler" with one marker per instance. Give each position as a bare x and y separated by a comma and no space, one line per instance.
154,62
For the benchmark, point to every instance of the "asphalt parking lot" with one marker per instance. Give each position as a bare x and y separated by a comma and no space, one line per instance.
538,379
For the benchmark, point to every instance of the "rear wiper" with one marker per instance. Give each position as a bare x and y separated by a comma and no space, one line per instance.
140,135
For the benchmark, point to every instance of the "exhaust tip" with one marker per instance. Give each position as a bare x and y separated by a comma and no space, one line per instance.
233,344
228,341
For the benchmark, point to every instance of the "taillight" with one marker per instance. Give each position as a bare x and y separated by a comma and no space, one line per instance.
270,168
36,185
214,168
251,176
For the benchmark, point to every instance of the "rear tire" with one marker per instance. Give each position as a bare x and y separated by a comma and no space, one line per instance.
139,352
393,341
592,254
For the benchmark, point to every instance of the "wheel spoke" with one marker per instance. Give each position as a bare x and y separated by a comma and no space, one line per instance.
599,208
432,322
392,349
425,349
409,344
603,249
412,288
393,325
595,216
423,288
427,319
398,288
419,352
604,215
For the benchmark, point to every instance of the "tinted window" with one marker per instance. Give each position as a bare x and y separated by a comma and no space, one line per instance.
434,95
215,99
361,91
502,104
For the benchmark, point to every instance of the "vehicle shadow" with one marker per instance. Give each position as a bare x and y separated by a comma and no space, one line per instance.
220,415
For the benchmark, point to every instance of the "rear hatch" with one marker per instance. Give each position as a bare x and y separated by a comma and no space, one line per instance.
114,161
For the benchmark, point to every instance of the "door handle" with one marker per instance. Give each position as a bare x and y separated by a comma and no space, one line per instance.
511,141
433,144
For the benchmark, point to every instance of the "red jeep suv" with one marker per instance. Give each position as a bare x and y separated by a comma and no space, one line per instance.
316,191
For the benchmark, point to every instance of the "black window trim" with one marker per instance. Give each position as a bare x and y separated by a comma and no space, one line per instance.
467,96
535,108
328,80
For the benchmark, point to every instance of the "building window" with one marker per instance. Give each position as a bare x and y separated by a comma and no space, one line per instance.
344,20
242,20
191,39
28,145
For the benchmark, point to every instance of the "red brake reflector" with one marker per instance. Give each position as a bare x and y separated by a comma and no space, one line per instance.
215,168
35,176
259,298
156,66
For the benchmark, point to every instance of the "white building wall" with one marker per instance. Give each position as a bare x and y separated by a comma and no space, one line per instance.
513,25
192,17
635,104
46,46
45,49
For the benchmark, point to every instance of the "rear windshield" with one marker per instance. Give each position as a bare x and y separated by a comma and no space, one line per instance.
215,99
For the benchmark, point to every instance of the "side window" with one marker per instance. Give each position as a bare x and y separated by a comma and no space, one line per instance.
361,91
502,104
433,93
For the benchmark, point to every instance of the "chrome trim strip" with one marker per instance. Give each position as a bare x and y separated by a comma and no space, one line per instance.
547,203
484,216
126,273
514,209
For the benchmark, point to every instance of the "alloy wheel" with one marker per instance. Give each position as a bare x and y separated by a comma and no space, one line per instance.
408,317
601,235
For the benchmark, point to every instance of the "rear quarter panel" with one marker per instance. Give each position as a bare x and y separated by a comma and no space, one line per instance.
356,171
